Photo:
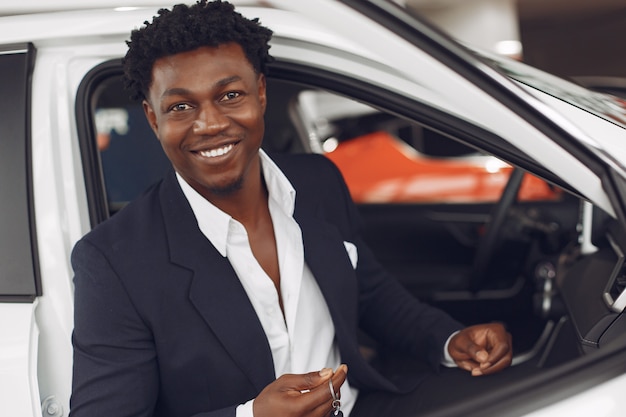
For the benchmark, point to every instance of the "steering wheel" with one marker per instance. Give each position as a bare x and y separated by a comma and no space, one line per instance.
493,230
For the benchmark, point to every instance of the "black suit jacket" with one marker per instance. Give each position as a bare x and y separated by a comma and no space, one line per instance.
163,325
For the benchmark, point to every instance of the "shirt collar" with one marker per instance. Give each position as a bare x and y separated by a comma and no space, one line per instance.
215,224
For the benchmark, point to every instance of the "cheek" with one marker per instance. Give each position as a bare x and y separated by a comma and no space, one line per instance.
252,118
170,134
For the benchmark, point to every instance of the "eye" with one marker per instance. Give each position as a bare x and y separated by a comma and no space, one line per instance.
180,107
231,95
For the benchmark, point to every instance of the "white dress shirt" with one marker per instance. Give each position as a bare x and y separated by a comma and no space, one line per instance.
304,339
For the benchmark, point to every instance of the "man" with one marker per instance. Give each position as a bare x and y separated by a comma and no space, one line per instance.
236,285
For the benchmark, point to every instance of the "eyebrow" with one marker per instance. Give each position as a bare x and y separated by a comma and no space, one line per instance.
177,91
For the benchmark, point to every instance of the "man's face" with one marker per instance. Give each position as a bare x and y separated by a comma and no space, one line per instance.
206,108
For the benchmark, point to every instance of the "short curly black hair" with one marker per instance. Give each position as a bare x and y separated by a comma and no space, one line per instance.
185,28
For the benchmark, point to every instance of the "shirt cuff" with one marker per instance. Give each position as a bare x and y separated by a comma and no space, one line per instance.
446,360
245,410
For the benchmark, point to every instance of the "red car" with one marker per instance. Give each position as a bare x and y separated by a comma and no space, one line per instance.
380,168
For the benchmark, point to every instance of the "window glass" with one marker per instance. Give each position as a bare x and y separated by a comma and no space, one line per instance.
131,156
18,277
386,159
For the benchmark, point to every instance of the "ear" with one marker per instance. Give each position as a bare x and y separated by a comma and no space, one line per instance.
262,91
151,116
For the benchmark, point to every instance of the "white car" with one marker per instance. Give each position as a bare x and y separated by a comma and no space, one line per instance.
74,150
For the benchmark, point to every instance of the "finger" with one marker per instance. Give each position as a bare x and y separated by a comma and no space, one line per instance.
475,368
500,357
468,365
496,367
310,402
339,377
470,350
489,367
335,383
322,410
497,353
500,343
321,395
296,384
325,406
502,362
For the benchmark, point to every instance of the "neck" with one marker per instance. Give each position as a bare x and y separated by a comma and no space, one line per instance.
247,204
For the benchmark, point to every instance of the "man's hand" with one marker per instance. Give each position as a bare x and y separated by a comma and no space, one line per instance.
482,349
303,395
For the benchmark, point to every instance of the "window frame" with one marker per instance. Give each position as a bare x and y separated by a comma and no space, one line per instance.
307,77
20,279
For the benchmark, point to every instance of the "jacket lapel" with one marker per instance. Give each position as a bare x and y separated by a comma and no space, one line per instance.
326,256
216,292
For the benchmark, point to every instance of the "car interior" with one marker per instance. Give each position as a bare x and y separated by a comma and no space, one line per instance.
530,263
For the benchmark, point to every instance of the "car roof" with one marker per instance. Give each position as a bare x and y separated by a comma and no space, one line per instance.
63,24
37,6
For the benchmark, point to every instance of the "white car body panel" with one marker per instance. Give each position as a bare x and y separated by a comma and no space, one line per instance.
603,400
607,138
19,388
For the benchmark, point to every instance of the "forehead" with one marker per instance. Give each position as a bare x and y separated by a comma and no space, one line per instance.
205,63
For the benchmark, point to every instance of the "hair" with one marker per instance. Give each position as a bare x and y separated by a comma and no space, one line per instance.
185,28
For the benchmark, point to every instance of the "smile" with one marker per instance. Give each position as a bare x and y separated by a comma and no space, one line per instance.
217,151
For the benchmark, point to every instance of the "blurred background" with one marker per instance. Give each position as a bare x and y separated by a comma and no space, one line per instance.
570,38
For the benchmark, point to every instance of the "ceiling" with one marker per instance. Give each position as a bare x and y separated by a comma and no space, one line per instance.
531,9
537,8
564,37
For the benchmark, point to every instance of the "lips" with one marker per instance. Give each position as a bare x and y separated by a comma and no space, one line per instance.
215,152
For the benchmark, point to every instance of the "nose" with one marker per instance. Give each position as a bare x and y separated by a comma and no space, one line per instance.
210,121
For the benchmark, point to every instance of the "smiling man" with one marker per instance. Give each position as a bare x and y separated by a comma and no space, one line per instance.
236,285
206,107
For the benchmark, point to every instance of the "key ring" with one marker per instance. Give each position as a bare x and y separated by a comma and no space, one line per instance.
332,390
336,404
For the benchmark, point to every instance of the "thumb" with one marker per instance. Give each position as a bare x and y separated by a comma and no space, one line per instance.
476,352
308,381
464,348
479,353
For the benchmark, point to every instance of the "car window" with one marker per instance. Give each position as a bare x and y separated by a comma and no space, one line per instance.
384,159
18,256
130,155
387,159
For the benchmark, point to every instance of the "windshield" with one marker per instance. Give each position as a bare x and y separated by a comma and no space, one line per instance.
604,105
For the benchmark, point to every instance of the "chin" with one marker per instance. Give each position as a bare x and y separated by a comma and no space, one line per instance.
226,189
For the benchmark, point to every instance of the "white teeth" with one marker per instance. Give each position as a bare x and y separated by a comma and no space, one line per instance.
217,152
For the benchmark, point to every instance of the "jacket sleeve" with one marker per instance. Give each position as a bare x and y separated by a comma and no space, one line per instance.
115,360
115,365
387,311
